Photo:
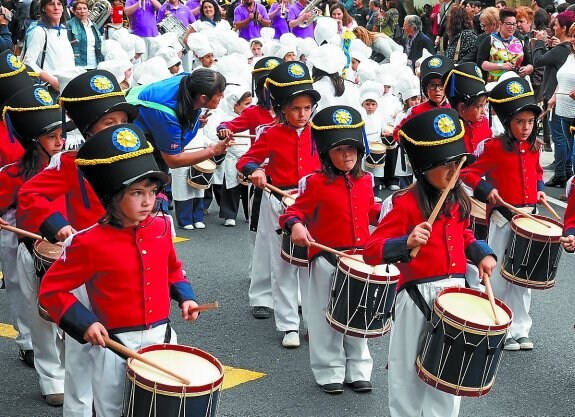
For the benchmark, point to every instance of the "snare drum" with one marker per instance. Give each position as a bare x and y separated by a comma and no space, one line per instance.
533,252
290,252
153,393
362,297
461,350
219,159
201,174
376,157
389,142
45,254
478,219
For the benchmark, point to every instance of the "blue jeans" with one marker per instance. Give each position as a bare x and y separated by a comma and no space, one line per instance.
189,211
563,141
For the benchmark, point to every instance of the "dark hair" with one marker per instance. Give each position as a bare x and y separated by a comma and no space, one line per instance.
217,12
376,3
428,195
502,3
562,7
467,103
510,143
77,3
550,8
336,80
44,18
540,3
244,96
330,171
110,202
458,20
256,42
202,81
506,12
30,163
347,19
541,20
278,108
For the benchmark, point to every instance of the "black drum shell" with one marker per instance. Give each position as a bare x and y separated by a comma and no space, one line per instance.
292,253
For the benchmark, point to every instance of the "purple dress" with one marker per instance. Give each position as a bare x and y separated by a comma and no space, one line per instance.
182,13
294,11
279,23
252,30
143,20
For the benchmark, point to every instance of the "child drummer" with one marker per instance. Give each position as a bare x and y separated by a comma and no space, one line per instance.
434,144
513,174
568,240
129,294
340,194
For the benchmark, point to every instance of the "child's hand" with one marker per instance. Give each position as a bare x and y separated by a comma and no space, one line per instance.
419,235
186,315
486,265
541,197
568,243
64,233
493,197
258,178
95,333
300,235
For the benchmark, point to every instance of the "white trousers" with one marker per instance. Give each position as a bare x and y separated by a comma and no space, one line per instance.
517,298
15,287
46,339
334,357
409,396
260,292
78,383
109,369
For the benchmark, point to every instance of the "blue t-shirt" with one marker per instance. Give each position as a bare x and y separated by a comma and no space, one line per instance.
163,127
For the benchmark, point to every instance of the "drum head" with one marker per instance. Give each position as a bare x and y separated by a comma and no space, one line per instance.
527,226
361,269
206,166
472,307
203,370
289,201
47,251
478,209
377,147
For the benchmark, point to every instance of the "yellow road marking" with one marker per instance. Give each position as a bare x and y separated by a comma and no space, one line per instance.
232,376
179,239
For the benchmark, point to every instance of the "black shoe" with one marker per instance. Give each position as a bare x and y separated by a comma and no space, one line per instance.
558,182
550,167
333,389
26,356
360,386
547,148
260,312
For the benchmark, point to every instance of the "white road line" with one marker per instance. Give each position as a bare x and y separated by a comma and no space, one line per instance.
557,202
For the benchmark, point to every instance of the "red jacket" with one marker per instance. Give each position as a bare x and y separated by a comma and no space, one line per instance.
130,275
414,111
9,151
337,214
250,118
61,178
444,255
291,156
516,174
475,133
569,217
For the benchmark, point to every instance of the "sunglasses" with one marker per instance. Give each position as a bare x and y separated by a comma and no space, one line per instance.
434,86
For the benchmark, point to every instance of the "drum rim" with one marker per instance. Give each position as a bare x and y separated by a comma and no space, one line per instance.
526,283
205,170
365,276
41,256
532,235
377,145
442,311
459,390
355,332
178,390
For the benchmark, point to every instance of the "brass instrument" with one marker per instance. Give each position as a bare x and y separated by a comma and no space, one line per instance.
172,24
99,12
311,8
283,10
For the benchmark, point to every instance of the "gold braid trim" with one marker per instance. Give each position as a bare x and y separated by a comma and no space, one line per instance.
508,99
13,73
270,81
463,74
435,142
23,109
261,69
117,158
106,95
314,126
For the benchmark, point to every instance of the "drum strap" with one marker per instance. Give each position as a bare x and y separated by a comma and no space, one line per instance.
419,301
114,337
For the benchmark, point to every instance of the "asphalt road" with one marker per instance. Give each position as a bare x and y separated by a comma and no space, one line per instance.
536,383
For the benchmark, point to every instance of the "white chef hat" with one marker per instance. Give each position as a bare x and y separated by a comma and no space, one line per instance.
328,58
370,90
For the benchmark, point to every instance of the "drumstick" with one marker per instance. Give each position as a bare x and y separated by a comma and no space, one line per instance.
489,292
204,307
279,191
336,252
441,200
237,135
551,210
529,216
120,348
474,201
21,232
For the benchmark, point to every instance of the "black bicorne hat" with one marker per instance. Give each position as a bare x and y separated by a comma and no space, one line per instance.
433,138
434,66
463,82
263,67
288,80
30,113
93,94
13,76
337,125
511,96
115,158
